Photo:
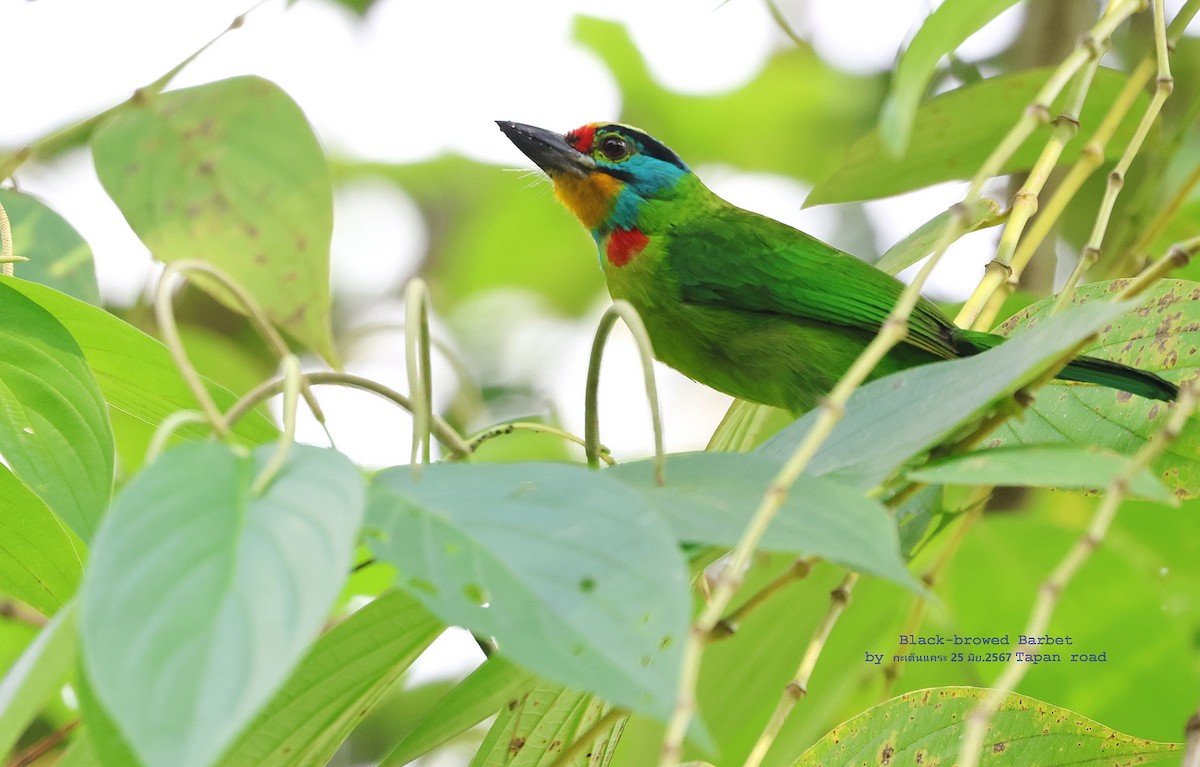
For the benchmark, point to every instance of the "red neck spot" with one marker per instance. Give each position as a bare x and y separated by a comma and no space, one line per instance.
624,244
581,138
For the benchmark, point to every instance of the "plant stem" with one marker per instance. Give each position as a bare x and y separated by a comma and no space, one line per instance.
591,435
1049,592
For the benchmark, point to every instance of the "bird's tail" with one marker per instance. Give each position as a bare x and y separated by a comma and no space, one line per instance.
1092,370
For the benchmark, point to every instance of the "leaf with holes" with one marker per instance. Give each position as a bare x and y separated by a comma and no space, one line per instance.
54,430
927,726
230,173
201,596
1163,336
571,572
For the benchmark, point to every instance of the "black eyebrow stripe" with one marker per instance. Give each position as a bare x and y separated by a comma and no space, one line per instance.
647,145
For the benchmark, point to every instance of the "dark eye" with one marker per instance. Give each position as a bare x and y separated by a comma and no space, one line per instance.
614,148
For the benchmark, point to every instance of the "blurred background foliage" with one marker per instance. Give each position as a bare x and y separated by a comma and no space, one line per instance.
515,282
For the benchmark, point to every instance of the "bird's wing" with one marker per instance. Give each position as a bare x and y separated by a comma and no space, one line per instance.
740,260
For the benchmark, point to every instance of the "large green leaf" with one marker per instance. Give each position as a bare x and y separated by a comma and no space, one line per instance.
710,498
54,430
1162,336
926,727
491,687
342,677
135,372
539,726
891,420
955,132
1052,466
571,572
57,255
36,676
231,173
201,596
945,29
39,562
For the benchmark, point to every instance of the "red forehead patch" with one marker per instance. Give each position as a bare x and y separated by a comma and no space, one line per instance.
581,138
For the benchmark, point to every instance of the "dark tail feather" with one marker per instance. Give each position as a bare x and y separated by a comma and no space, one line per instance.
1117,376
1114,375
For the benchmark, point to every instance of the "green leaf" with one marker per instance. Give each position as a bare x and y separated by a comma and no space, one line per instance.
230,173
136,374
101,741
541,725
955,132
201,597
54,430
927,726
1162,336
575,577
925,239
36,677
950,24
57,255
39,562
891,420
1052,466
344,675
711,497
486,690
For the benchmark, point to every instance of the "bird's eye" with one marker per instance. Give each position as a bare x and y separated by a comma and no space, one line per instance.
614,148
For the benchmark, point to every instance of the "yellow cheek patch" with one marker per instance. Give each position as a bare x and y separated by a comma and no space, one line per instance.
589,198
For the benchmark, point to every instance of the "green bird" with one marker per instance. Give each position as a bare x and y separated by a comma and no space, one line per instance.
737,301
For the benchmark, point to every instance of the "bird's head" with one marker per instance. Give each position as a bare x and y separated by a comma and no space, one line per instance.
609,175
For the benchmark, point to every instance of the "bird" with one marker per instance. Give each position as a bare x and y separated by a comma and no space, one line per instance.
741,302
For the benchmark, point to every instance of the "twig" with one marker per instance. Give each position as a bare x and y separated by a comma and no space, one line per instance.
1051,589
476,440
6,244
798,570
165,314
798,687
1116,178
440,429
418,362
591,412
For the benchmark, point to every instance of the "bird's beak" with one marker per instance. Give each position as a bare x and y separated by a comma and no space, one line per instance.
551,151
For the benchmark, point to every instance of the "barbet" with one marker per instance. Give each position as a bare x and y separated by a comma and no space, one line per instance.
737,301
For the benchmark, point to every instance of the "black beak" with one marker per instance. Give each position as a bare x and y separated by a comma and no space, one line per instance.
551,151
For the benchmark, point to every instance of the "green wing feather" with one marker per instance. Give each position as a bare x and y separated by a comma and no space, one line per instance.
736,259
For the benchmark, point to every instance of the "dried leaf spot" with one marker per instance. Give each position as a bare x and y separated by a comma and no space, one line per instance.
515,745
886,756
206,168
998,747
301,243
